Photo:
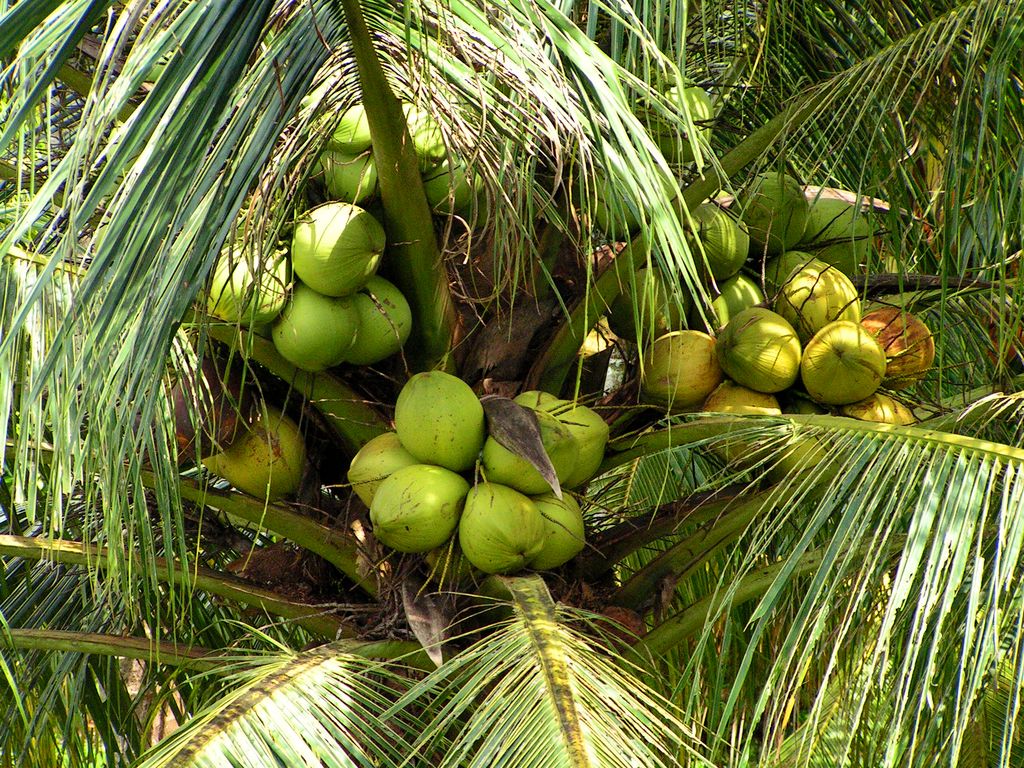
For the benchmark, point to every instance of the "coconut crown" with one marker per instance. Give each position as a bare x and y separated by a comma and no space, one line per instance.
336,248
775,211
760,350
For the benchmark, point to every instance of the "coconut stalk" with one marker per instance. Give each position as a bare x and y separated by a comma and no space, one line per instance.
182,575
414,259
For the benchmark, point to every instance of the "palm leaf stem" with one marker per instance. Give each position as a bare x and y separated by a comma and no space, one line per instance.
552,366
629,448
354,421
414,259
332,545
94,643
81,83
205,579
688,622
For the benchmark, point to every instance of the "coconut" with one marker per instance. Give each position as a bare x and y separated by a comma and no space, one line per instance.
802,405
775,211
839,234
349,178
800,454
377,460
440,420
352,135
452,189
698,104
760,350
538,400
210,408
245,292
501,530
590,432
736,294
564,536
779,269
880,408
267,461
907,342
842,364
500,465
336,248
680,370
427,139
385,322
730,397
815,296
659,311
724,239
315,331
417,507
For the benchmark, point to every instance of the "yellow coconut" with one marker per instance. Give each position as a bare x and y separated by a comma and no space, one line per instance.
880,408
816,295
760,350
842,364
680,370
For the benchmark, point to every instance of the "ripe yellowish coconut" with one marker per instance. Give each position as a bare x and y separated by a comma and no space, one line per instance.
245,292
907,342
648,298
501,530
352,135
880,408
349,178
760,350
815,296
680,370
385,322
842,364
417,507
377,460
724,239
736,294
500,465
839,233
730,397
440,420
779,269
775,211
336,248
564,536
315,332
267,461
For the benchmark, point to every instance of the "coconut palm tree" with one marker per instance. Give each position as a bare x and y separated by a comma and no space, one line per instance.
835,592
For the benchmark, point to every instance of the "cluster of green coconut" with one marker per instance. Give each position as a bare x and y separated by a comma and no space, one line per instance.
807,335
349,172
418,480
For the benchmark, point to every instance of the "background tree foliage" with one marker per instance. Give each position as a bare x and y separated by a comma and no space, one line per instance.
866,611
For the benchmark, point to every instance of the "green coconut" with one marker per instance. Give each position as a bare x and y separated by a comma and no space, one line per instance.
417,507
385,322
730,397
680,370
452,189
427,139
779,269
799,455
315,332
840,234
590,432
802,405
267,461
652,301
880,408
775,211
760,350
842,364
500,465
377,460
440,420
736,294
564,536
698,104
243,292
907,341
336,248
349,178
501,530
352,135
724,239
815,296
538,400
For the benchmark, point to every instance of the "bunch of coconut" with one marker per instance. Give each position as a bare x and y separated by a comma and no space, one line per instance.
348,170
416,480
